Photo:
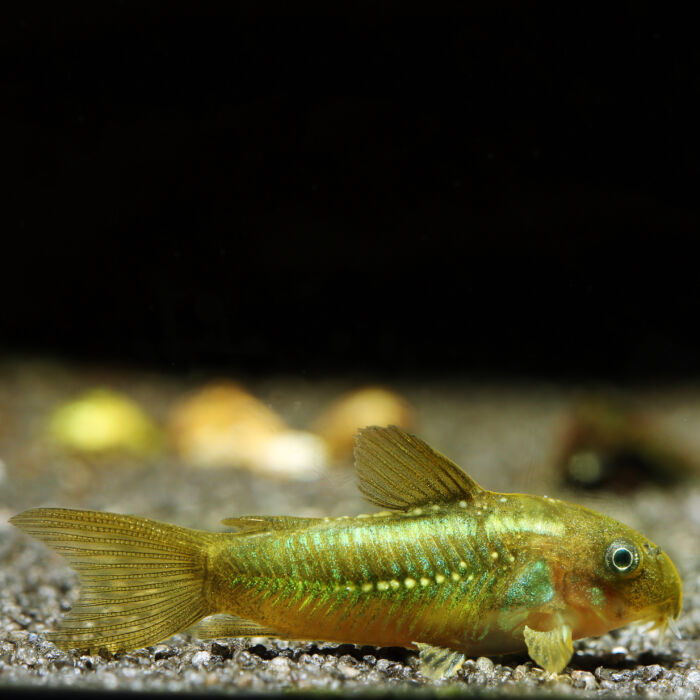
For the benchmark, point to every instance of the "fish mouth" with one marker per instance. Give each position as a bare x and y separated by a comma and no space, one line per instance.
662,625
667,609
664,617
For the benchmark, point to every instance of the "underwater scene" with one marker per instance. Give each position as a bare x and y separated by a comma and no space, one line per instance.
429,573
349,349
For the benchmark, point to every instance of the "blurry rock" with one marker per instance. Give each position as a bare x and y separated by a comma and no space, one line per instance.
4,424
295,454
222,425
103,420
609,444
372,405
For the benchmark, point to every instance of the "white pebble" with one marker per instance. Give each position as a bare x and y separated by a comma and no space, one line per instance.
201,658
279,663
693,680
484,665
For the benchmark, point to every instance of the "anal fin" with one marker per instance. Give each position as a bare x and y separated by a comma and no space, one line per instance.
438,662
218,626
551,650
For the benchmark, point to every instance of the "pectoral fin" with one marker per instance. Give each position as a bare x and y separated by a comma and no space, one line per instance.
552,650
436,662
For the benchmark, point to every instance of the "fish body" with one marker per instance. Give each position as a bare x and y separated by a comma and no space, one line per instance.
447,567
467,578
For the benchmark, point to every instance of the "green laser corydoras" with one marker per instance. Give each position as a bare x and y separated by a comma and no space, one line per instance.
446,567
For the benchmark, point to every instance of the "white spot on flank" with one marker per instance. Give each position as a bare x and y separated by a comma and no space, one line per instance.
410,582
463,565
394,584
494,555
366,587
455,576
424,581
383,586
439,579
435,508
462,504
503,499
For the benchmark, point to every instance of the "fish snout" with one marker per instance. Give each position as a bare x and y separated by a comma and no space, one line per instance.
668,585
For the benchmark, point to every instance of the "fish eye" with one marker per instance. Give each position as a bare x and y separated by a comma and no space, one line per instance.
622,557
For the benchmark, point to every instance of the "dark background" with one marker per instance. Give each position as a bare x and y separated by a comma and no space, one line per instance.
500,188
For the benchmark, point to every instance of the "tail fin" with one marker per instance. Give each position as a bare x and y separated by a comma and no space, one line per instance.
142,581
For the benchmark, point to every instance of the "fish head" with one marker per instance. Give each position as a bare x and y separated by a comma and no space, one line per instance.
618,577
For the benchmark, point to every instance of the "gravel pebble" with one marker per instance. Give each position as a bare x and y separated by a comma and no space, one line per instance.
201,658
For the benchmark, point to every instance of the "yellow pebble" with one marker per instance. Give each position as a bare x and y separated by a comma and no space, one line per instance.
104,420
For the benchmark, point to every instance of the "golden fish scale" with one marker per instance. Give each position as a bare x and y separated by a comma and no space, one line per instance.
432,575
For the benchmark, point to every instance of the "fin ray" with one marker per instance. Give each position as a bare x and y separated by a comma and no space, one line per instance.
399,471
438,662
552,650
264,523
224,625
164,565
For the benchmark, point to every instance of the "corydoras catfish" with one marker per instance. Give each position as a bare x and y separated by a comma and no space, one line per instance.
446,567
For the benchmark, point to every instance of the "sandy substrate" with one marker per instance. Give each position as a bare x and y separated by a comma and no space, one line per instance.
504,435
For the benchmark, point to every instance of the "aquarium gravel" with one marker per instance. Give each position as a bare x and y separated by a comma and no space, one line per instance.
504,434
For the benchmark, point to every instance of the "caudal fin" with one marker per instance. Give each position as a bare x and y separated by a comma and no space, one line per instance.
142,581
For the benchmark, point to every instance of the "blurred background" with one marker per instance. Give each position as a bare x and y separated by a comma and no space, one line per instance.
381,189
222,222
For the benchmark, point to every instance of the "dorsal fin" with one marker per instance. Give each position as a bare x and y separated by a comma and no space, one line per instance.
399,471
262,523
